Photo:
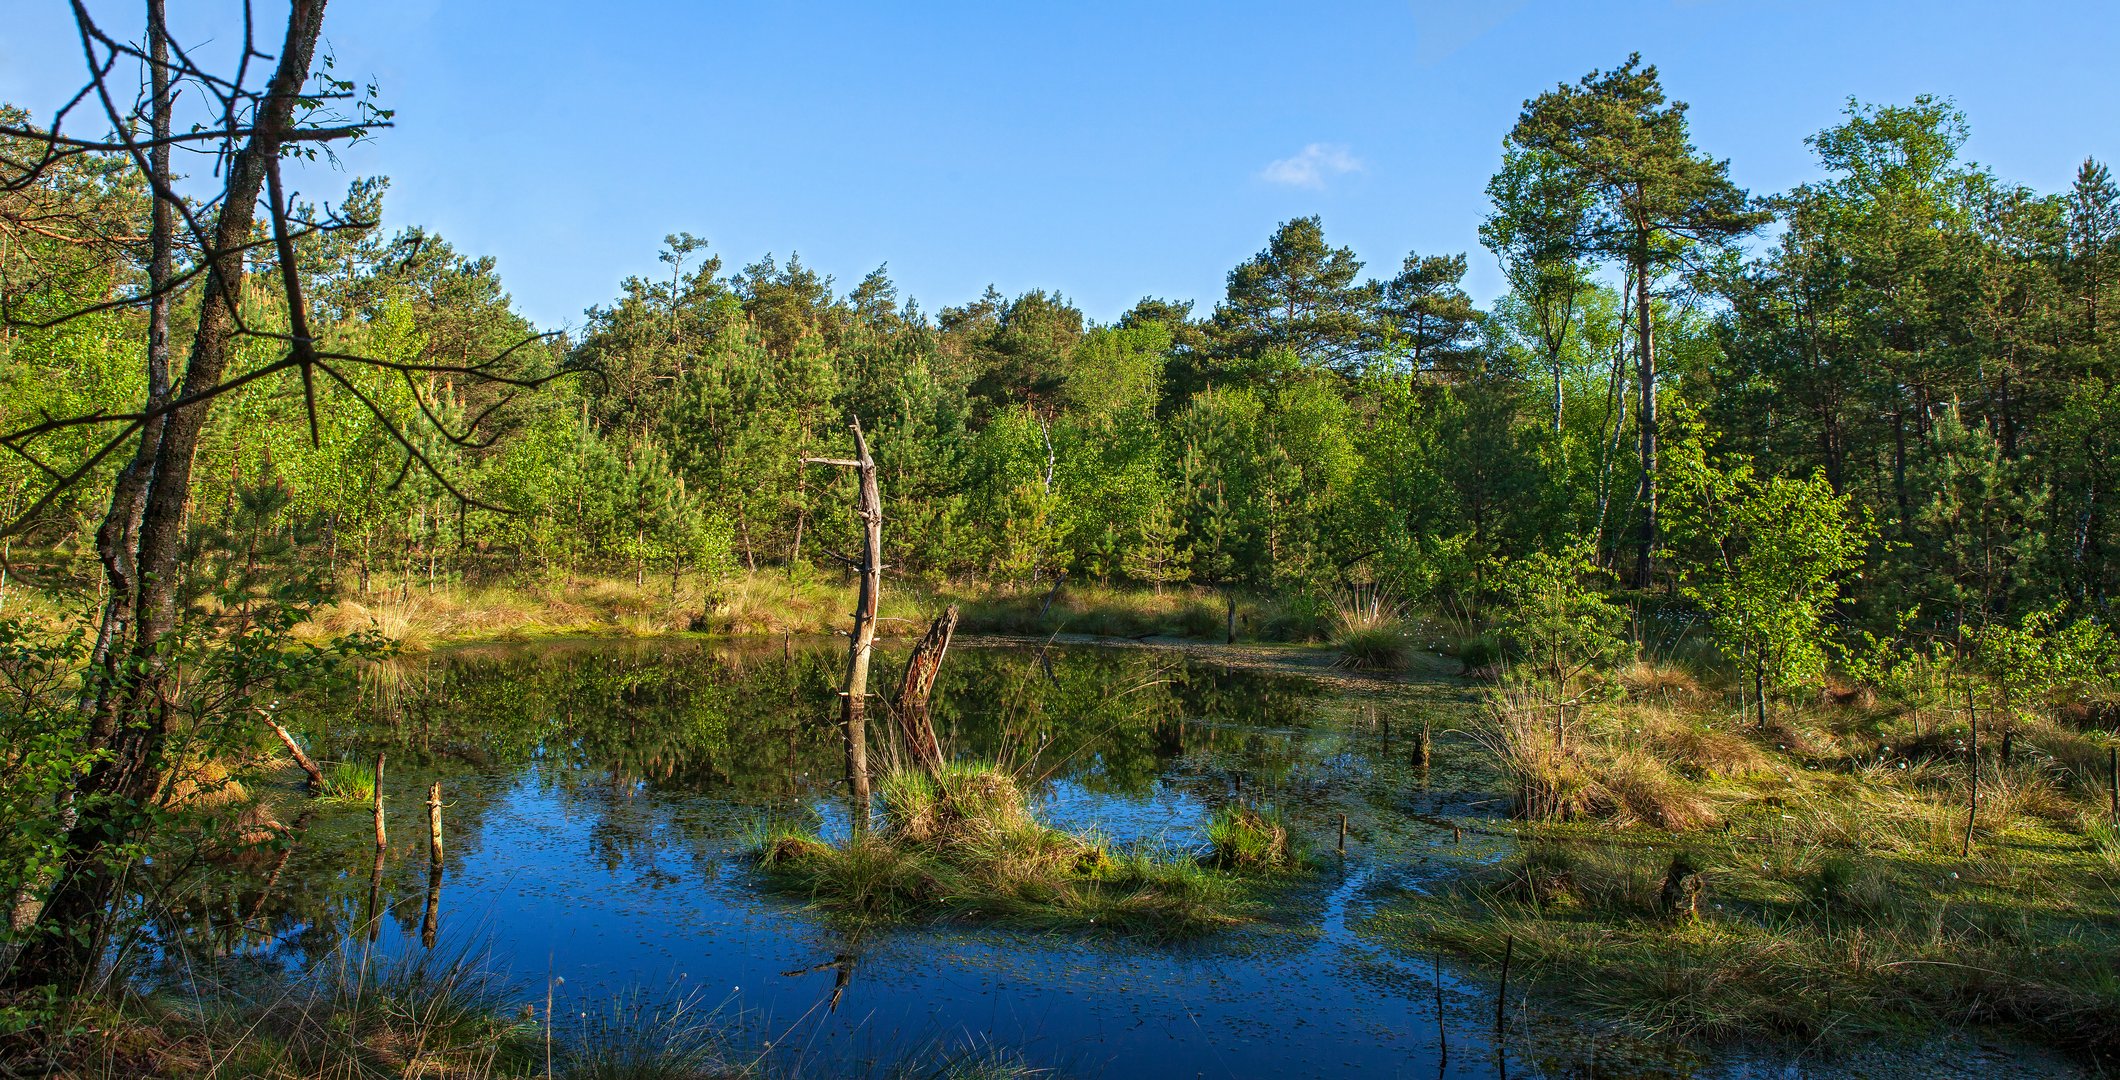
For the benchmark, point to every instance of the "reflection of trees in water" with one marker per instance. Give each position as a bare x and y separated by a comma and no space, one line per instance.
319,887
601,726
753,724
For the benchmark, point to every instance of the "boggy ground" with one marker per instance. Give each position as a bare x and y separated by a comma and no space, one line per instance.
1827,917
1826,897
1679,872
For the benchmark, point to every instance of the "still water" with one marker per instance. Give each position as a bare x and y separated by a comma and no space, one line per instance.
602,799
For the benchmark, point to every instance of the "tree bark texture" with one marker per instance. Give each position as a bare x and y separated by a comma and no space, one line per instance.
911,708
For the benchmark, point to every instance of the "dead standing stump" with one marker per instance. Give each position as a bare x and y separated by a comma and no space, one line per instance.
911,706
1679,898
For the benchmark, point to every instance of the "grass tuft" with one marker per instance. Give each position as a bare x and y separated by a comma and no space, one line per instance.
348,783
1250,840
964,847
1375,649
639,1036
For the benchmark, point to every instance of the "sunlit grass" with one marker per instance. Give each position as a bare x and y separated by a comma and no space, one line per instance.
1838,899
348,784
966,848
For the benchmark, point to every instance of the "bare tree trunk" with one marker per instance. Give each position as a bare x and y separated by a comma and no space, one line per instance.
1059,579
861,642
118,536
130,721
1645,355
911,707
1609,442
434,824
431,919
1759,685
1972,787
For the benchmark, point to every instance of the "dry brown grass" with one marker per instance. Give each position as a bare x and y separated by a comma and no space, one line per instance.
1792,734
1693,746
1646,790
1603,771
1657,679
202,783
768,602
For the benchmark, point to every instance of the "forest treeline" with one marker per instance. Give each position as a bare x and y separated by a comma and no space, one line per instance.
1907,364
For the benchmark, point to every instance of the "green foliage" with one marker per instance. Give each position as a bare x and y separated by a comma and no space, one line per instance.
1297,297
1556,623
1935,340
1768,560
1627,164
41,754
2036,665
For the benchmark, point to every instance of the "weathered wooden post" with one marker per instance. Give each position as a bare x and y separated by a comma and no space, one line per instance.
1501,995
434,824
431,921
375,874
854,688
1442,1029
375,896
381,841
1678,898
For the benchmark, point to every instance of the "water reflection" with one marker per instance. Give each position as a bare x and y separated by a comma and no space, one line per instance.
602,797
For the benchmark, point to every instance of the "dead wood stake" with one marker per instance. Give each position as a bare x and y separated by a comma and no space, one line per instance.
1501,996
381,841
434,823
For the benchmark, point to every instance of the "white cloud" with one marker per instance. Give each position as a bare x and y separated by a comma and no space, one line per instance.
1309,168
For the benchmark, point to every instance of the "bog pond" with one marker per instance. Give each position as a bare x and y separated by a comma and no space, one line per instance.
603,800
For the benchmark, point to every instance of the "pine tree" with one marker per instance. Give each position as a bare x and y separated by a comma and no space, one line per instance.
1156,556
1298,296
1655,198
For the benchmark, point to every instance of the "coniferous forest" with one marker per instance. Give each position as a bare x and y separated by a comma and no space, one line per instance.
1740,581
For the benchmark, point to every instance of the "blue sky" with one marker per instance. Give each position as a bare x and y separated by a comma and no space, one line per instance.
1104,150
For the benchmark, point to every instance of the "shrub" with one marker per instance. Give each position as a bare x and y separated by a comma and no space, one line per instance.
1479,651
